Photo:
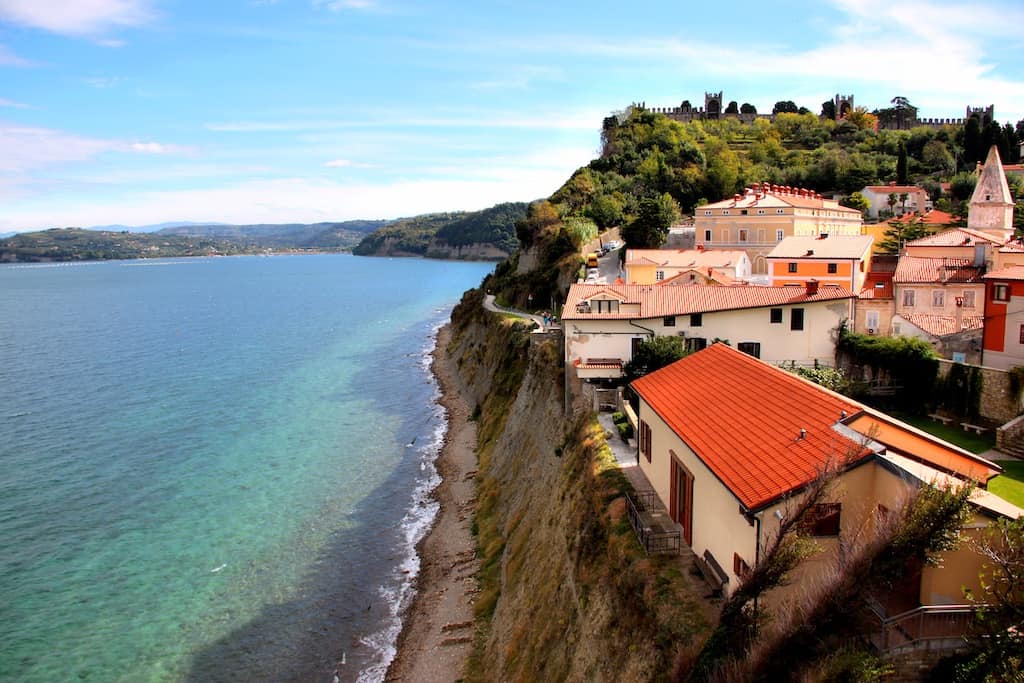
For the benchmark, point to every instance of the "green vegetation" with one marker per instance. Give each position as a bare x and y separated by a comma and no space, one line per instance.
622,424
653,354
415,236
1010,484
904,368
953,433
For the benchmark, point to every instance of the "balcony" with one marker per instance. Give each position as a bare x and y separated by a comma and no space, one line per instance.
598,368
928,627
657,533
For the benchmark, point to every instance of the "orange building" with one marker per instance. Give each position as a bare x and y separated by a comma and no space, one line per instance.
842,260
1003,342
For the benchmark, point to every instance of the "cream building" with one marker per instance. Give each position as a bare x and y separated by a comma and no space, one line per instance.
603,324
757,220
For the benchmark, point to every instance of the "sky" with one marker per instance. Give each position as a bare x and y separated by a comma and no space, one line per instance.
137,112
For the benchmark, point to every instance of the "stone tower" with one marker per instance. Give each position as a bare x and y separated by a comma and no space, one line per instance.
991,206
844,105
713,104
986,115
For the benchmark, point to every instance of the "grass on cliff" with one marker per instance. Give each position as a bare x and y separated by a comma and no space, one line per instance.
1010,484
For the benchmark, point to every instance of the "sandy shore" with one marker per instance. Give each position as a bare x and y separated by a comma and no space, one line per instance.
438,631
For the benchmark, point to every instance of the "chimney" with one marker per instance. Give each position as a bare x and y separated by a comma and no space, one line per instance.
812,287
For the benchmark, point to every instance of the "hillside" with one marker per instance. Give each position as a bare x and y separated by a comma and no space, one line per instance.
486,234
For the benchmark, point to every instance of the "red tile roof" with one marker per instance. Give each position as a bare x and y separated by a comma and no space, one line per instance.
683,277
743,418
1013,247
957,237
656,301
1008,273
877,286
765,195
942,325
930,217
917,269
685,258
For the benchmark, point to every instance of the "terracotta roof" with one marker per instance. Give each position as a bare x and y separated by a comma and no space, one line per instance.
743,418
1009,273
942,325
685,258
1014,247
957,237
930,217
917,269
683,277
877,286
657,301
808,246
774,196
886,189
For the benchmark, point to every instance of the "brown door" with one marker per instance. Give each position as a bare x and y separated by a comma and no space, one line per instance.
681,498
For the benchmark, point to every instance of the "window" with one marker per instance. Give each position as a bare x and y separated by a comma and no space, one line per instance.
792,266
1000,292
605,305
968,298
645,440
833,268
776,315
725,212
750,348
669,321
696,344
760,212
779,235
908,298
707,235
1022,334
659,275
739,566
696,319
707,212
743,212
871,320
896,329
938,298
822,519
743,234
796,319
780,211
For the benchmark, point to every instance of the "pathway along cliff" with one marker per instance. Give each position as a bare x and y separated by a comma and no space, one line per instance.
565,592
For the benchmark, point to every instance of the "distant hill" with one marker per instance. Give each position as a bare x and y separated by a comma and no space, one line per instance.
78,244
486,234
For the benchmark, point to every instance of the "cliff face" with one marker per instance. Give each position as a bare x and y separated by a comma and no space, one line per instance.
566,593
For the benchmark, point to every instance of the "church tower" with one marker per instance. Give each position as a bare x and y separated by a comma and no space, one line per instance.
991,206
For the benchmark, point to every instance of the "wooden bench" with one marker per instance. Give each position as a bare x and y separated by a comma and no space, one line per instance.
940,418
712,572
977,429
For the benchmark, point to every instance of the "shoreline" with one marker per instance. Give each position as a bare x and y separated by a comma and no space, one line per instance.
438,630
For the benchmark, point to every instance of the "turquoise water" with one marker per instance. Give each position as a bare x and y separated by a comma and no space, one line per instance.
215,469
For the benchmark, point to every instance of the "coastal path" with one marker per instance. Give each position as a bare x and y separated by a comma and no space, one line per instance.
490,305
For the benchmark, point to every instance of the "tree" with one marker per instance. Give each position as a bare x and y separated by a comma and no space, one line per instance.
732,108
901,165
828,110
856,201
961,186
903,202
997,642
653,354
936,156
540,215
860,117
899,233
650,227
748,108
891,201
785,107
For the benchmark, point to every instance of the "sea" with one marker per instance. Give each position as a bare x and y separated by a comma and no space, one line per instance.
216,469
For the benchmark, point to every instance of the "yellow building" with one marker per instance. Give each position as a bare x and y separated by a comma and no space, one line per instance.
757,220
728,443
648,266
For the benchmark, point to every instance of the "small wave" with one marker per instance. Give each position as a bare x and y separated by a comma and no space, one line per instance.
21,414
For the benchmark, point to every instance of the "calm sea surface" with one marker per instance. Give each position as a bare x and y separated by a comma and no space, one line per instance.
215,469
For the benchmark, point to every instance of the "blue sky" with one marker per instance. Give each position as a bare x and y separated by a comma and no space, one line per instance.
143,111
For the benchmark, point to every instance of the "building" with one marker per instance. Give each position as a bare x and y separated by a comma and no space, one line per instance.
757,220
917,200
876,306
648,266
959,243
603,324
1003,345
727,441
940,300
841,260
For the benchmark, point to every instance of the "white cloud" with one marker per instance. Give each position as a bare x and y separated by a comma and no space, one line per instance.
150,147
102,82
77,17
11,103
8,58
339,5
346,163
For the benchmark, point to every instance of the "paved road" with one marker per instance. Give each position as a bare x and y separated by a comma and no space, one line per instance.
491,306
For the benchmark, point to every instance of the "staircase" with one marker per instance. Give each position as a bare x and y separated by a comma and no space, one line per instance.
1010,437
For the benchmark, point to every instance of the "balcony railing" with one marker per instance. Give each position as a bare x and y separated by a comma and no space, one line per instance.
655,530
929,627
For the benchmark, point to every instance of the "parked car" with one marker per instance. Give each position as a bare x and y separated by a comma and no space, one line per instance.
613,245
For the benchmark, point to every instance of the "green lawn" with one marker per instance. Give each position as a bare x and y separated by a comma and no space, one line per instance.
953,433
1010,484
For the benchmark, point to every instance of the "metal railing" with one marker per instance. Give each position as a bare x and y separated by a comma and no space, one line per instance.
925,627
654,542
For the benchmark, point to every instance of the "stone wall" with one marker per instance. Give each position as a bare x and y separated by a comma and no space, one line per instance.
997,404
